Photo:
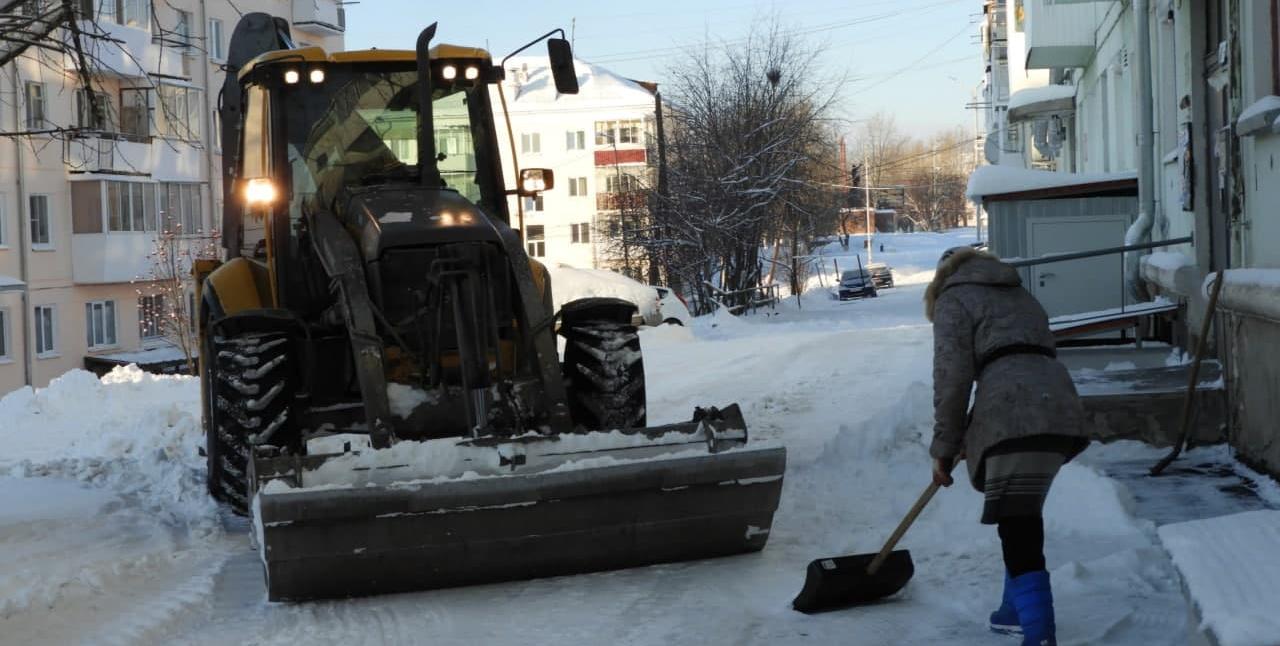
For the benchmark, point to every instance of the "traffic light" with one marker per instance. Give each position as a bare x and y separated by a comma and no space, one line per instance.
856,194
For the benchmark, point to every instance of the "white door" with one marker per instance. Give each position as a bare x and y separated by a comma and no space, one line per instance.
1084,285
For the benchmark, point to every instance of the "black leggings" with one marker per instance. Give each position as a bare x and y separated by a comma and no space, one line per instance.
1022,539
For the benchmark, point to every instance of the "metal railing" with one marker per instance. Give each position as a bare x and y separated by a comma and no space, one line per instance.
745,300
1026,263
1077,255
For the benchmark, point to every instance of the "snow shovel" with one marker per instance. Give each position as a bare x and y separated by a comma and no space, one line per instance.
846,581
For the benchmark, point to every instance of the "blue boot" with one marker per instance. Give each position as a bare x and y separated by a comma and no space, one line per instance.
1005,619
1033,600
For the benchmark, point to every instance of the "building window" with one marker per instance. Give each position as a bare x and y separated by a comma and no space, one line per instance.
132,13
575,140
581,232
41,236
151,316
535,240
214,42
180,208
100,323
531,143
35,105
621,183
4,221
46,331
135,112
577,186
4,334
131,206
92,116
179,115
182,29
215,125
623,132
533,203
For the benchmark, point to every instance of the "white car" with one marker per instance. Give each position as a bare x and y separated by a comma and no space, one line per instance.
671,307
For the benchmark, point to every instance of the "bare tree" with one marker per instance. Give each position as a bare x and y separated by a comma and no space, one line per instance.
166,292
741,131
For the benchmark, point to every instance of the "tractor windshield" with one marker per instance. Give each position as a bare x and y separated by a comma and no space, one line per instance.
358,126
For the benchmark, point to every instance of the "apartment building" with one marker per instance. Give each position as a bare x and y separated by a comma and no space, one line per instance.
85,194
597,142
1184,95
1006,80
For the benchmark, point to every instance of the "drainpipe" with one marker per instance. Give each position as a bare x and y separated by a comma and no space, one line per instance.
24,232
213,171
1141,230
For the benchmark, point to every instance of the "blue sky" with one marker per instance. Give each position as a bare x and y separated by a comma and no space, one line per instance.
913,58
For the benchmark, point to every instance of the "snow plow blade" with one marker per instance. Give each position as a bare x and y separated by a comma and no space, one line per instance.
608,514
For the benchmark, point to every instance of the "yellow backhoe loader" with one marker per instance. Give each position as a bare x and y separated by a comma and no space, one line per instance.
381,385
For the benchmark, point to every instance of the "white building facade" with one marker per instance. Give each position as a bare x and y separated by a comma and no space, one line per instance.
597,143
85,195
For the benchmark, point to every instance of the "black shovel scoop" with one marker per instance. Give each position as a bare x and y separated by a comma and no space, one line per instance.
845,581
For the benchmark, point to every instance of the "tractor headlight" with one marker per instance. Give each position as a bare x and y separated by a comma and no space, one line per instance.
317,76
291,76
259,191
472,73
449,72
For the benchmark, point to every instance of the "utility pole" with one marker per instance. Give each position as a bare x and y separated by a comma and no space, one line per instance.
866,193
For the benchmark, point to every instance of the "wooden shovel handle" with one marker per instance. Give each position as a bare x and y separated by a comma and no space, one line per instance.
902,528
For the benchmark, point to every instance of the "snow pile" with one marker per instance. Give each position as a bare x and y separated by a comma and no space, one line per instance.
1230,569
133,432
104,505
1168,260
404,398
997,180
570,284
409,463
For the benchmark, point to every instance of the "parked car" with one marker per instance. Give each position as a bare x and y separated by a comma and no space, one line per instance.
856,283
881,275
671,307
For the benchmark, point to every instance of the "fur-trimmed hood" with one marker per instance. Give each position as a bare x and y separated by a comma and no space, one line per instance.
967,265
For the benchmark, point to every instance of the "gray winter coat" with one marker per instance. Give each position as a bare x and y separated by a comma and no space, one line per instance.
978,305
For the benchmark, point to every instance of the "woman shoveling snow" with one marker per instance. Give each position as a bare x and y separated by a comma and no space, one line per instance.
1025,423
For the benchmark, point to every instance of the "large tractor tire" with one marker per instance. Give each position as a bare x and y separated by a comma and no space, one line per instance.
251,387
604,371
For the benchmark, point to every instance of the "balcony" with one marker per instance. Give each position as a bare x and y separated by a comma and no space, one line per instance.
610,157
619,201
117,154
115,257
319,17
1061,34
128,52
106,152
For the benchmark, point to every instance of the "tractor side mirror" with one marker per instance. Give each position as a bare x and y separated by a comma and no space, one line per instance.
536,180
561,55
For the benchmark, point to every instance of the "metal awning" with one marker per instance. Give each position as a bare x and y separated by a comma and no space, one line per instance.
1035,102
11,284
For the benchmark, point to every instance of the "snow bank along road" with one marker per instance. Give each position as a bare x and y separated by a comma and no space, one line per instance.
107,536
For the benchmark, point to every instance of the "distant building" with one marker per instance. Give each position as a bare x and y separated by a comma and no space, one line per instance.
597,143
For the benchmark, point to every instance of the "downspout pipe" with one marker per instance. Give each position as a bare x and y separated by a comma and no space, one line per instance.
1140,231
24,232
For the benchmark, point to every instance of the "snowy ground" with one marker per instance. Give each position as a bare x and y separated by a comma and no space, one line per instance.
108,537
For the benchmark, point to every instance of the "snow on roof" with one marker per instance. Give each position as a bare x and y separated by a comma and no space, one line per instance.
1050,98
998,180
529,86
159,354
1229,568
9,282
